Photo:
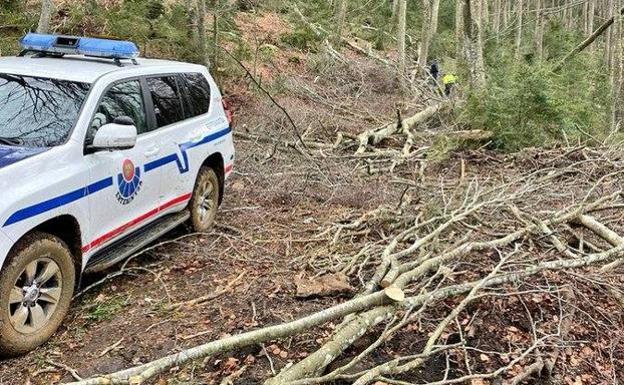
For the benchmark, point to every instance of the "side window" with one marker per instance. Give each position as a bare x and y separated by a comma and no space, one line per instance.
198,91
122,99
167,101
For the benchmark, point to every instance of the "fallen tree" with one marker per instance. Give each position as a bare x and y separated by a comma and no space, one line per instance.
417,274
375,136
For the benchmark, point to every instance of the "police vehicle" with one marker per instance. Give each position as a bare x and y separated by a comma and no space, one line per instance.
101,153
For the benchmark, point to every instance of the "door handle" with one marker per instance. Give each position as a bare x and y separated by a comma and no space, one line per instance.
152,152
197,137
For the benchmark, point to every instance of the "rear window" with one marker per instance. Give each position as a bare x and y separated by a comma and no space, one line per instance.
197,92
166,98
39,112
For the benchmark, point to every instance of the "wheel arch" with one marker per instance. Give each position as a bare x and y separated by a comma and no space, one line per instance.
67,229
217,163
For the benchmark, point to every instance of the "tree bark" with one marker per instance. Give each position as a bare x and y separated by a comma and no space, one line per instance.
520,20
191,11
425,34
474,42
591,15
617,71
459,28
47,8
609,36
395,11
435,15
201,32
316,362
539,30
496,23
215,34
485,15
341,18
506,13
401,26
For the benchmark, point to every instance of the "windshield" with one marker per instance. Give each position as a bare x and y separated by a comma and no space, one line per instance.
38,112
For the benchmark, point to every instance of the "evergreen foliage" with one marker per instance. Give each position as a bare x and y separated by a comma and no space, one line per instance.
525,102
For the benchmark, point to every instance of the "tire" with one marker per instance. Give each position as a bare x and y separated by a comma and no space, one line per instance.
41,268
205,200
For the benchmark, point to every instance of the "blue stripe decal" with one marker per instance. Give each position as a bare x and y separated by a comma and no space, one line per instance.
160,162
59,201
54,203
183,164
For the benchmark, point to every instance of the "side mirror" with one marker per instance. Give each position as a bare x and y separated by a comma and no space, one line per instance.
119,135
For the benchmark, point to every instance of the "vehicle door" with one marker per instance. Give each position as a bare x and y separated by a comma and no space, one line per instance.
170,116
194,138
132,196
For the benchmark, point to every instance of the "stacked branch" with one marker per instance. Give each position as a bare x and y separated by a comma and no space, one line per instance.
506,237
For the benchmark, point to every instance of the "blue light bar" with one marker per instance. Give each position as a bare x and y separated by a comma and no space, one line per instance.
71,45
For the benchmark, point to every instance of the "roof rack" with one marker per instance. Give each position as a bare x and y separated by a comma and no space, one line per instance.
43,45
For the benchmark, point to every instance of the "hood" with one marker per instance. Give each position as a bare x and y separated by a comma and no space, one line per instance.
10,155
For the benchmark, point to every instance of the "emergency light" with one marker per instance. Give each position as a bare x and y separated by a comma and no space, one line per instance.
71,45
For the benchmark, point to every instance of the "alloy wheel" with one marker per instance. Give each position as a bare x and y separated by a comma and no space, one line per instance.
35,295
207,201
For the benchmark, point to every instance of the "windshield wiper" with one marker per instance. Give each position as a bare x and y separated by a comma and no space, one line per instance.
10,141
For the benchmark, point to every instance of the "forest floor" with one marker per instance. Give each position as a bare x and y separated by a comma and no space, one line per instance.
273,230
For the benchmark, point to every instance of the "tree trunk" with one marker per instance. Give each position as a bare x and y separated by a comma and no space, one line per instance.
425,34
435,15
485,15
459,28
201,32
617,71
474,42
586,18
573,18
591,13
401,25
191,11
609,36
47,8
341,18
496,23
539,30
395,11
506,13
520,12
215,34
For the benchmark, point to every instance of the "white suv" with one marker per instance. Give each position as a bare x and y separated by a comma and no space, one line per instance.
100,154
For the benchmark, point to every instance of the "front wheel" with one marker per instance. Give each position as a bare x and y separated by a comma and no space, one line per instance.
36,288
205,200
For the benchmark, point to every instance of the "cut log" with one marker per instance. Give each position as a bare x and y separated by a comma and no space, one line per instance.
144,372
395,294
601,230
373,137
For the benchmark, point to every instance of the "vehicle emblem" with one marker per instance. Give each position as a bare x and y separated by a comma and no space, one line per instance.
128,182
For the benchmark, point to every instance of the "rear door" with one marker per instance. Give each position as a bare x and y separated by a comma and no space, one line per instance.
194,138
166,98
